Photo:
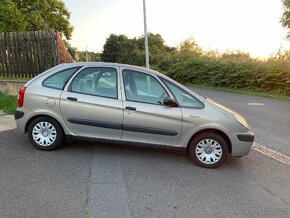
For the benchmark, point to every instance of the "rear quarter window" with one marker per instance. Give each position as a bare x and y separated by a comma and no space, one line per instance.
59,79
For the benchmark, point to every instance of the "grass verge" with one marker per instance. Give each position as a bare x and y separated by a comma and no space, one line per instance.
8,103
273,95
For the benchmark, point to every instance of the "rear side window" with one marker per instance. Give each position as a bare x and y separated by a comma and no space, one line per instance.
59,79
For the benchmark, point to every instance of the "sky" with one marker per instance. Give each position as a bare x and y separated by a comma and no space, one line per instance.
248,25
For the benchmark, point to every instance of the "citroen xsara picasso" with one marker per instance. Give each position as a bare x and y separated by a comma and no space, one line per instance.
128,104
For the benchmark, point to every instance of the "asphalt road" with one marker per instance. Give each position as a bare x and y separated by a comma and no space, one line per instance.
270,119
100,180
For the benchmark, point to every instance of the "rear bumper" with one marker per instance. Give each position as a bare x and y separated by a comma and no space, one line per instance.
241,142
18,114
21,117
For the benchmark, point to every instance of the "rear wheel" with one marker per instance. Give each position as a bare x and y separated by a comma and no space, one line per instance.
45,133
208,150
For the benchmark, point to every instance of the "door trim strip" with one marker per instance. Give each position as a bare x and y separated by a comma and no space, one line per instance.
102,124
125,127
151,130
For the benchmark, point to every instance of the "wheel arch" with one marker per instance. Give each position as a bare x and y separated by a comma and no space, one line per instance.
219,132
41,115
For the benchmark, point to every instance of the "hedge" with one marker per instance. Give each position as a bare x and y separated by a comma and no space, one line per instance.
271,75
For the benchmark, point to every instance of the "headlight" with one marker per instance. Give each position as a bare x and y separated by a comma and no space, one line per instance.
241,120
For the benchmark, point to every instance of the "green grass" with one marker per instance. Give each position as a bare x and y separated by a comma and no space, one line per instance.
273,95
86,213
8,103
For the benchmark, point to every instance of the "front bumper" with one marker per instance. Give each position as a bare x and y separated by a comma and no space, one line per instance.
241,142
246,137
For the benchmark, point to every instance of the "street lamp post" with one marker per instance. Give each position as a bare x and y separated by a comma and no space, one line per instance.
145,36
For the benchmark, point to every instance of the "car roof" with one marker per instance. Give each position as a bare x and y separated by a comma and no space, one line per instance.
109,64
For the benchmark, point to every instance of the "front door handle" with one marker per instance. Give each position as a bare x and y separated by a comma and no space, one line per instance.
130,108
71,99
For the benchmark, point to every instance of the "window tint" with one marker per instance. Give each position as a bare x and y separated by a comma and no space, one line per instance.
142,87
183,98
59,80
99,81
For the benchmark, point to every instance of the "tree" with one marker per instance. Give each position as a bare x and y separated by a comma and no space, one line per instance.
285,19
121,49
112,48
156,44
10,17
20,15
190,47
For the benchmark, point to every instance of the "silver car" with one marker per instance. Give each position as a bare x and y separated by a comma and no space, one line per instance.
120,103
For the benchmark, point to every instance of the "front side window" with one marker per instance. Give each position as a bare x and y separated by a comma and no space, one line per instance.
143,87
99,81
59,79
183,98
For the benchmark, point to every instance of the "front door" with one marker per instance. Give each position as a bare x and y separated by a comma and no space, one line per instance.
146,119
91,106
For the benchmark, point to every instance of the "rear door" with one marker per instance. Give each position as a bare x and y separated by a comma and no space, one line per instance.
91,104
146,119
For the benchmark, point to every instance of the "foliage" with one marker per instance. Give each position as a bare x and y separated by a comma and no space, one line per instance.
81,56
188,63
19,15
11,18
112,48
189,47
270,75
285,19
121,49
8,103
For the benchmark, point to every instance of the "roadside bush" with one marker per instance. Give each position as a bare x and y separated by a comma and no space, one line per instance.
271,75
189,63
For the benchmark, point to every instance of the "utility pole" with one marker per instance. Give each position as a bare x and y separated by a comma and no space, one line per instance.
145,36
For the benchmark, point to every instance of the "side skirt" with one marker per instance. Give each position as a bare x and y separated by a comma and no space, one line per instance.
133,144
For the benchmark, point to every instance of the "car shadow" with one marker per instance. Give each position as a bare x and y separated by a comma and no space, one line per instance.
13,141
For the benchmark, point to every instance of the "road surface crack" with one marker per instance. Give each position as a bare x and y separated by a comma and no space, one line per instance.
124,185
89,185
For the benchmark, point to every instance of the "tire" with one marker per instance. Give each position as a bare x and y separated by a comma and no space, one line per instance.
45,133
208,150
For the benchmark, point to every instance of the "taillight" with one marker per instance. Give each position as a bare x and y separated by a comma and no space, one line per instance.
20,98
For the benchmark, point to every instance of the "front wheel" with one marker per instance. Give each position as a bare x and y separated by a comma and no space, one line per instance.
45,133
208,150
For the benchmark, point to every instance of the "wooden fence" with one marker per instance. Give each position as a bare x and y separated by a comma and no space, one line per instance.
26,54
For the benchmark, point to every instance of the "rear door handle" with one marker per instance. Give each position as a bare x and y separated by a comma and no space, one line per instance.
130,108
71,99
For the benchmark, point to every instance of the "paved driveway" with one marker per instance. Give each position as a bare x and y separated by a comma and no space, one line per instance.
96,180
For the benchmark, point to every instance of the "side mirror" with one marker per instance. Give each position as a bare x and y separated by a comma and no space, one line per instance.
170,102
